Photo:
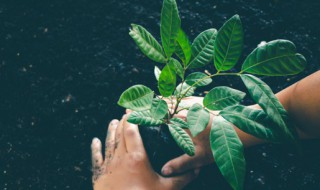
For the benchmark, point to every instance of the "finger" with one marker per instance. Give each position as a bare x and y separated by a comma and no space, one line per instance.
120,146
178,182
181,164
97,159
110,140
128,111
132,138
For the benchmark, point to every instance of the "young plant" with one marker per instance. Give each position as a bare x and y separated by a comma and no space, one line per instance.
223,48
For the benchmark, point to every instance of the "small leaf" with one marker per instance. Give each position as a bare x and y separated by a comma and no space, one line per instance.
185,90
252,121
147,43
203,48
176,66
179,122
275,58
220,97
137,98
159,109
167,81
198,79
183,48
169,26
197,119
227,151
143,118
263,95
228,44
157,72
182,139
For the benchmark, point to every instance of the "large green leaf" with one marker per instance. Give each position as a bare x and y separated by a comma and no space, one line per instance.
143,118
275,58
203,48
183,47
182,139
220,97
167,81
157,72
179,122
184,89
263,95
197,118
147,43
169,26
198,79
137,98
228,44
177,67
252,121
159,108
227,151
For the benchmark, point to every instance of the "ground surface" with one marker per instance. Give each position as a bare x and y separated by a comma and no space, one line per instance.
63,65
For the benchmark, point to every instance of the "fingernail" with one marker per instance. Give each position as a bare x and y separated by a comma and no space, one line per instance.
166,171
114,122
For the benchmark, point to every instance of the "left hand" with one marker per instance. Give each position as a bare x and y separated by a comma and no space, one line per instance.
126,165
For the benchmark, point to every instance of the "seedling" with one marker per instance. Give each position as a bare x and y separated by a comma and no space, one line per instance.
223,48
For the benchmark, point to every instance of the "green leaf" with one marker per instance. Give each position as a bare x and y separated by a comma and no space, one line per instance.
167,81
143,118
147,43
159,109
252,121
183,48
228,44
275,58
203,48
263,95
137,98
227,151
179,122
176,66
157,72
182,139
198,79
197,118
184,89
220,97
169,26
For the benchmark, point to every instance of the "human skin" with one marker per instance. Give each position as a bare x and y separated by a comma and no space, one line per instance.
302,102
126,165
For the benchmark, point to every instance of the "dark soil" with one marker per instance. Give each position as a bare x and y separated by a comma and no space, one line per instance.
63,65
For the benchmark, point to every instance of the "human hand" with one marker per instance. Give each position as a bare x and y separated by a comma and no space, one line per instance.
203,154
126,165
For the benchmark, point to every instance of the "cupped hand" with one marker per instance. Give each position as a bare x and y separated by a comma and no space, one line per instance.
126,165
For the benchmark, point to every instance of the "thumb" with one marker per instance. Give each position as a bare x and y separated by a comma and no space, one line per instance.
180,165
179,182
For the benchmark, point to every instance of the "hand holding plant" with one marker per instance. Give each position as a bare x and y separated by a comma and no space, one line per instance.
223,48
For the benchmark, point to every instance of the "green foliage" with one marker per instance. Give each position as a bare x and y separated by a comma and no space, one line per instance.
183,48
198,119
276,58
147,43
169,26
182,139
167,81
202,49
137,98
227,151
224,48
228,44
198,79
143,118
222,97
263,95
